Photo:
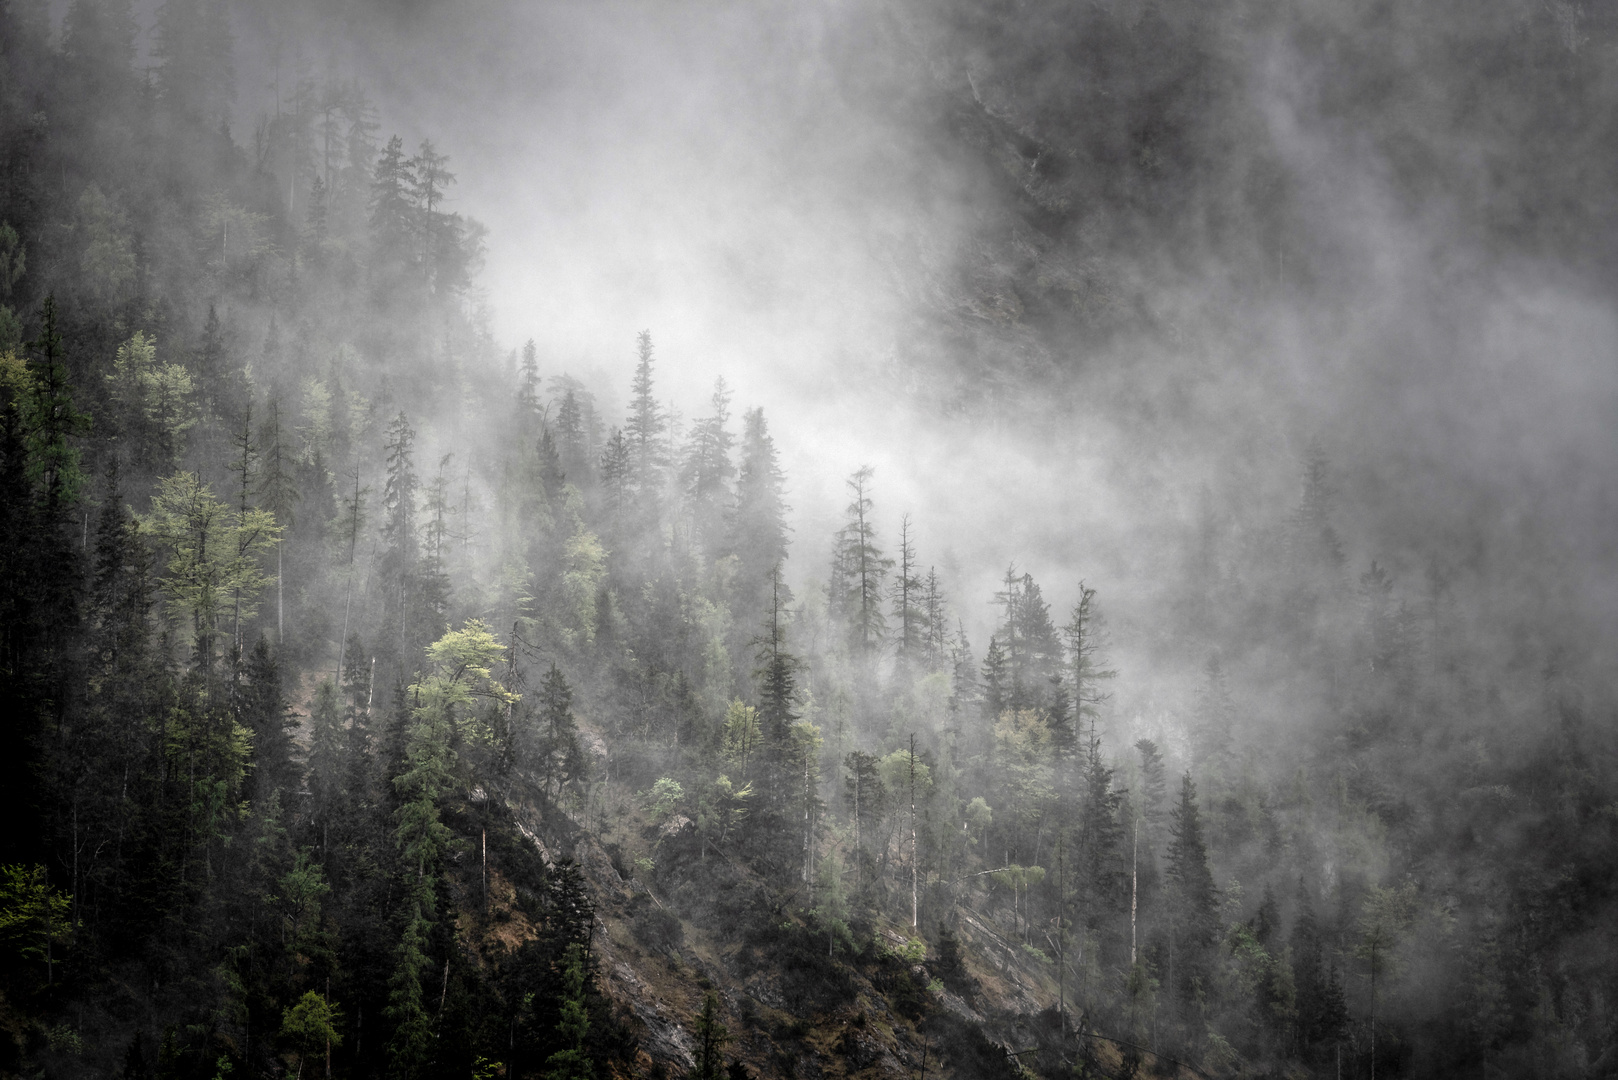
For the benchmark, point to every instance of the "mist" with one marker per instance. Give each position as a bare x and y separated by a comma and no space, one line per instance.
771,190
1287,330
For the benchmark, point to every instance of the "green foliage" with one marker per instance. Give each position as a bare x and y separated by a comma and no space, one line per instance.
300,893
741,735
662,797
214,555
311,1025
33,915
154,400
572,1062
711,1039
719,808
911,951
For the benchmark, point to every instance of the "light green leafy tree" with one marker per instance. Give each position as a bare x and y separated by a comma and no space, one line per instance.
662,797
459,678
311,1027
215,555
720,806
741,735
154,399
33,916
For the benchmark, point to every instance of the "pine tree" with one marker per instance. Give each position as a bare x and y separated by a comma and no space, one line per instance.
1193,906
399,531
1102,866
528,381
995,679
264,713
708,471
551,474
1041,649
435,583
859,568
572,1062
909,616
326,765
393,216
866,800
617,473
1086,649
758,528
647,421
711,1039
777,677
560,758
572,434
936,622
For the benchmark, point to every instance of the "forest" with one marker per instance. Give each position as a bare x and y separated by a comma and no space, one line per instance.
382,698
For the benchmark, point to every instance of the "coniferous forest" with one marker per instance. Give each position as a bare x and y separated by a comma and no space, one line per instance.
384,698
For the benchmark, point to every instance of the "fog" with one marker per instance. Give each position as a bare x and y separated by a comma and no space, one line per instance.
1288,329
768,188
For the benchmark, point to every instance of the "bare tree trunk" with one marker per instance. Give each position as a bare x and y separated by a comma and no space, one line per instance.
1134,887
1061,952
914,909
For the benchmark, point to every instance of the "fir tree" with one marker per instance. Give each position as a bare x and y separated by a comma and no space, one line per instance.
572,1062
528,381
859,568
709,469
1086,650
711,1039
647,421
995,680
560,756
1193,905
758,528
905,592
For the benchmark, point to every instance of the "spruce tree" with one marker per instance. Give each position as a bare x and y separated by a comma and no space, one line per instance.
1193,904
758,529
646,423
909,616
560,757
572,1062
708,472
859,568
711,1039
1086,650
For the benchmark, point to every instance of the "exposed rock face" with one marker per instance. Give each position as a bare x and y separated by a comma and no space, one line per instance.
791,1009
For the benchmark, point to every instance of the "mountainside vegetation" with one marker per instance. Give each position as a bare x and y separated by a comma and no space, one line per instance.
381,700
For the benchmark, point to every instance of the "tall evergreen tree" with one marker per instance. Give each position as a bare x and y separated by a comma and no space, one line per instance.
393,217
1192,903
708,472
906,594
858,570
399,562
1086,656
646,424
758,528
